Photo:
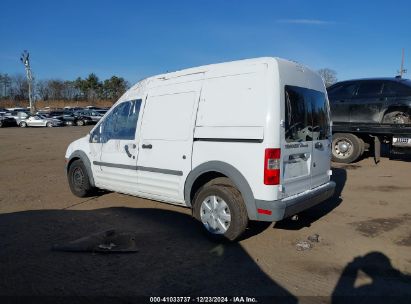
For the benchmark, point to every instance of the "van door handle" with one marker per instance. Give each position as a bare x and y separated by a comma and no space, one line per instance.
128,151
150,146
318,145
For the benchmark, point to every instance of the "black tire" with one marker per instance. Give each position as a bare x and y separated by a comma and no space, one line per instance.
1,124
236,208
80,122
355,148
49,125
79,180
396,117
23,124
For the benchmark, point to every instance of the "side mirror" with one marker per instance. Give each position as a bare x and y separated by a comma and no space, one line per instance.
95,138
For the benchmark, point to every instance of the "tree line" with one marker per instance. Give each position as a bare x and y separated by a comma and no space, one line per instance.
15,88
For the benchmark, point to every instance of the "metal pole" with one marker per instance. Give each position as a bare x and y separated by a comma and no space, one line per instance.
402,63
26,61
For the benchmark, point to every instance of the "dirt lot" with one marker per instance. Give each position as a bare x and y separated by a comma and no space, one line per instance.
364,248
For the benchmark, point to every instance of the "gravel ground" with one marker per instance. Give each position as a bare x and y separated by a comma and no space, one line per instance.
363,246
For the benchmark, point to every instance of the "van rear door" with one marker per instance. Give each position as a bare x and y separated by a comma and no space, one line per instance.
306,151
321,139
297,148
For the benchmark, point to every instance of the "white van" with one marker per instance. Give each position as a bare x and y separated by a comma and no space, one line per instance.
236,141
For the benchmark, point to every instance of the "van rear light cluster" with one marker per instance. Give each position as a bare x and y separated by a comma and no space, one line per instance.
272,166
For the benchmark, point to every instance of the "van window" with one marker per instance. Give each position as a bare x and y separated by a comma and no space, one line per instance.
306,115
120,123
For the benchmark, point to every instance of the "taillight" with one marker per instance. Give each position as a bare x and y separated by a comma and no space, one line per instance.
272,166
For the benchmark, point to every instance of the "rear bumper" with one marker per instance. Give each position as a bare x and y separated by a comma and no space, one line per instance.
294,204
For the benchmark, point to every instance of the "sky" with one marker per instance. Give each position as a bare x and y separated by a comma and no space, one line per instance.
137,39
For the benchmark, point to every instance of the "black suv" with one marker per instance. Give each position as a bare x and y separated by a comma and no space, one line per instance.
372,101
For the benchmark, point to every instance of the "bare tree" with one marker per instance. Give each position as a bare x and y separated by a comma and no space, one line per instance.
20,88
42,90
329,76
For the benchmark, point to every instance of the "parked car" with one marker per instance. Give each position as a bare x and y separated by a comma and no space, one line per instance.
367,112
19,115
380,100
102,111
238,141
40,121
69,118
93,114
6,121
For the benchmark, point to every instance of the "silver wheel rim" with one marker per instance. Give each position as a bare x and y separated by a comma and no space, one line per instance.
343,148
215,214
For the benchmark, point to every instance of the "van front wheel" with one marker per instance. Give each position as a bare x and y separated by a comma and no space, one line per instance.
222,211
79,180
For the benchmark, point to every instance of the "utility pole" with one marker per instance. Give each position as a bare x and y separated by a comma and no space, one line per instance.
26,61
402,70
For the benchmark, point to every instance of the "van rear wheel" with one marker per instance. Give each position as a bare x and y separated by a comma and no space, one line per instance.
221,210
346,148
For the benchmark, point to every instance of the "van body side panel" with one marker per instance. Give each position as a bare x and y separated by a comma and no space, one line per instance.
232,117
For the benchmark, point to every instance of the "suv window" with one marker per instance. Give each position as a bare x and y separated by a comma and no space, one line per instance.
306,115
392,88
344,90
120,123
369,88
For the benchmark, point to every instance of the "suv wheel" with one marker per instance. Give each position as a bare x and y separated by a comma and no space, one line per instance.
397,118
80,122
346,148
79,180
221,210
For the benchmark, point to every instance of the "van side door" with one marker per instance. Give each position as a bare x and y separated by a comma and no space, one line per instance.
167,138
119,150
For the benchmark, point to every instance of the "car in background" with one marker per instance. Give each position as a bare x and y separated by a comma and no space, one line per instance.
93,114
70,118
102,111
19,115
40,121
368,112
379,100
6,120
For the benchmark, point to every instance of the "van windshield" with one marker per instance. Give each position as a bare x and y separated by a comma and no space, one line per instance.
306,115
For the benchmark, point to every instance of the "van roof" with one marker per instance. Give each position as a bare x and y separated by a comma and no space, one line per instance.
275,61
227,64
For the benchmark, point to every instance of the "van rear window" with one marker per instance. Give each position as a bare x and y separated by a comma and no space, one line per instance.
306,115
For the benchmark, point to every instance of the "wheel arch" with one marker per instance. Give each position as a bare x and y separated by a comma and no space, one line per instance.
214,169
396,108
78,154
